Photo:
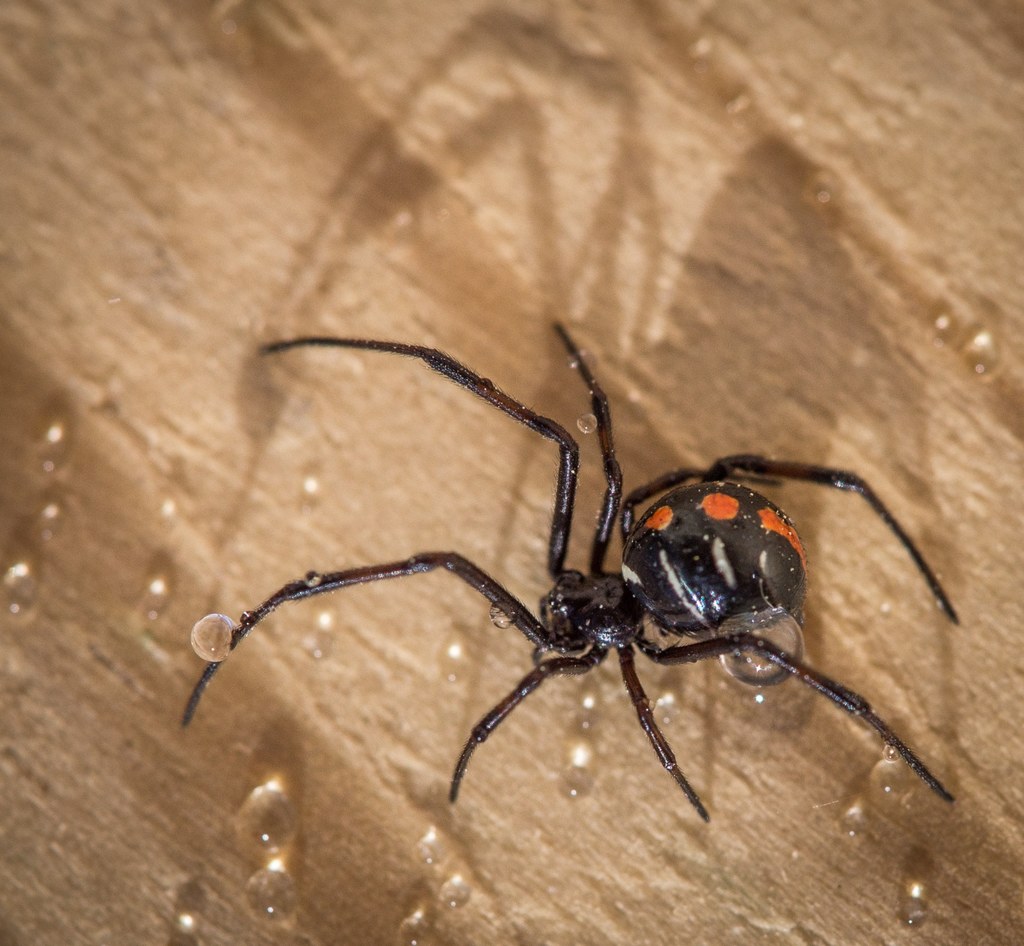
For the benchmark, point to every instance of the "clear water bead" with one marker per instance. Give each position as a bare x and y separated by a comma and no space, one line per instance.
778,627
211,637
913,908
271,893
587,423
455,891
667,708
980,350
891,781
430,847
413,930
53,445
50,515
499,618
454,658
267,820
19,583
578,775
155,596
587,711
854,820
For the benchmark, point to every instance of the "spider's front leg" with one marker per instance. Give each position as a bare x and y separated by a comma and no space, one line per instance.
318,584
483,388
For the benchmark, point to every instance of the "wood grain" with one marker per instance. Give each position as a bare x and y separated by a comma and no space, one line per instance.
777,228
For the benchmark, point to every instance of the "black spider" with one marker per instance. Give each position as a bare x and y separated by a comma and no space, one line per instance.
715,567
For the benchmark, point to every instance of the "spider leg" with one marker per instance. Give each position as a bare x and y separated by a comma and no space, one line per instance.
612,470
484,388
556,666
318,584
837,479
844,698
660,485
650,726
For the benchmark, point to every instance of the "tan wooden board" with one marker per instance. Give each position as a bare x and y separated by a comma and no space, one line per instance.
783,228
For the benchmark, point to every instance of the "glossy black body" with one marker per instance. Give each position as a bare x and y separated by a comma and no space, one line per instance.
710,551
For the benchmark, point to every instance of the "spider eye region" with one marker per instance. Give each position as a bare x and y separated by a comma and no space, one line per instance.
705,553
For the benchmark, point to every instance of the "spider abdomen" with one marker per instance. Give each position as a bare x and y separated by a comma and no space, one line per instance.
710,551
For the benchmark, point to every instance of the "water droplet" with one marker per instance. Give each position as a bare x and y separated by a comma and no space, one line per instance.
271,892
430,847
154,599
455,891
267,821
980,351
776,626
211,637
581,754
20,587
498,617
587,712
944,327
320,642
188,907
53,444
578,776
168,509
454,657
310,495
891,781
50,516
823,189
667,708
913,909
414,928
853,821
587,423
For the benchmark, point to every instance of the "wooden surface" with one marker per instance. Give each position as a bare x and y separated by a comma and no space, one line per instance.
781,228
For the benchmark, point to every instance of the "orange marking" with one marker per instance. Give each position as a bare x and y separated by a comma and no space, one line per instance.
720,506
660,518
771,522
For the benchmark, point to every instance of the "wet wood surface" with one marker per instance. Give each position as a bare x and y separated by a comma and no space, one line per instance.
789,231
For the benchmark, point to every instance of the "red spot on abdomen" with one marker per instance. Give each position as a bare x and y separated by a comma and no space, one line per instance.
660,518
771,521
720,506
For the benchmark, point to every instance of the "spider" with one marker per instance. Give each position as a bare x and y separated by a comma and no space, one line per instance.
711,569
